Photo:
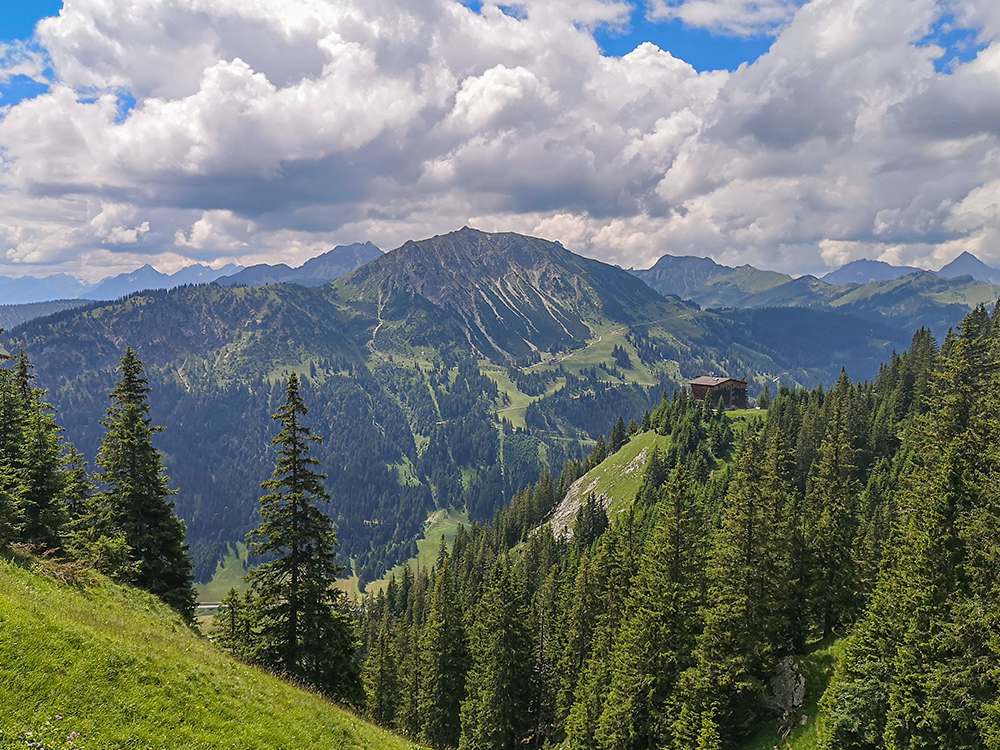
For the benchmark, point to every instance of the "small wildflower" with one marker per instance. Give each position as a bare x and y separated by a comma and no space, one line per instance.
58,717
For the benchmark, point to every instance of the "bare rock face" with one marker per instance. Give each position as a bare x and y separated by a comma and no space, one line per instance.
788,693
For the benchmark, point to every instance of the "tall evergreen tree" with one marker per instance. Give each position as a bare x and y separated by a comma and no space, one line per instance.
134,501
381,675
660,625
618,435
831,515
920,671
743,619
301,625
443,662
496,710
12,479
46,480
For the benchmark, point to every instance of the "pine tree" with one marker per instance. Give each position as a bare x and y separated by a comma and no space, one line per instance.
133,504
580,607
831,516
618,436
661,622
920,669
743,619
12,479
381,676
45,479
300,622
764,399
496,710
231,624
443,661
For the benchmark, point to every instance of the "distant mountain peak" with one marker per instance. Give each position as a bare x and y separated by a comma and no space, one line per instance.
967,264
865,271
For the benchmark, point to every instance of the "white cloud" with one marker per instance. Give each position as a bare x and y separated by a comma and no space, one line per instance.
18,59
736,17
268,131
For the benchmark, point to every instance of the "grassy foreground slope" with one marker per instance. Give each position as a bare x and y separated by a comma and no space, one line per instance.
123,671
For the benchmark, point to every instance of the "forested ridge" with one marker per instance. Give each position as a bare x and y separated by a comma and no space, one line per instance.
867,512
445,375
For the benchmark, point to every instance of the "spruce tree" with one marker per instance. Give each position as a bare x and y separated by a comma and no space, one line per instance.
661,623
45,478
831,516
618,435
744,628
300,623
12,479
381,675
443,661
920,670
496,710
231,625
134,503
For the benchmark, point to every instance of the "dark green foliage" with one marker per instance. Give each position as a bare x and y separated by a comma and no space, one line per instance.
747,578
232,625
133,507
764,399
496,713
299,622
621,357
443,661
662,626
661,622
591,521
618,436
921,669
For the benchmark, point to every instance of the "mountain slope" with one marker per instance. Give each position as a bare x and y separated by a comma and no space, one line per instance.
688,276
417,367
15,315
907,302
511,295
121,669
314,272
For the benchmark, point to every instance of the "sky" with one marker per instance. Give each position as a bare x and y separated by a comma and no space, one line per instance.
786,134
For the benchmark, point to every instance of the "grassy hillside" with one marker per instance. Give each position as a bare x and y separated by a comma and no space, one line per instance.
122,670
616,480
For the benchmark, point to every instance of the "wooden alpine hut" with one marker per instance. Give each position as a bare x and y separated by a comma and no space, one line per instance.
732,392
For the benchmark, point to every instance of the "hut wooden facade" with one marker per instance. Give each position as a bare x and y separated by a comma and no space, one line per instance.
732,392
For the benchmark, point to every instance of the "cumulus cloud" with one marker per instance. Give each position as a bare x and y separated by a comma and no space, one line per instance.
736,17
20,59
269,131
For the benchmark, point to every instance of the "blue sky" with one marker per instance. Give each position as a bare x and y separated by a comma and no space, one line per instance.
19,18
702,48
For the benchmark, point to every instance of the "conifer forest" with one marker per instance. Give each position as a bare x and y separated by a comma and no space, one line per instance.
863,515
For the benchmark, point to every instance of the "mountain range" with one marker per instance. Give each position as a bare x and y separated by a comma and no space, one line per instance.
314,272
445,374
875,291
